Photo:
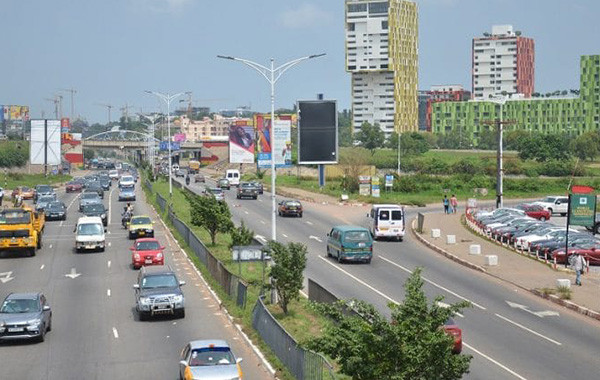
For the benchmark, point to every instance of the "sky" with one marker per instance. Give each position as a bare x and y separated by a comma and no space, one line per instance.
110,51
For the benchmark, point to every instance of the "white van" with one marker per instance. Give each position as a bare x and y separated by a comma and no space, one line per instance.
233,175
387,221
89,234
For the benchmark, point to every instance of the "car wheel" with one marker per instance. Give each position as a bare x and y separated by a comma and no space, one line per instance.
32,252
131,236
368,261
49,325
550,210
143,316
255,198
597,228
180,314
39,243
300,215
42,336
102,249
339,258
328,254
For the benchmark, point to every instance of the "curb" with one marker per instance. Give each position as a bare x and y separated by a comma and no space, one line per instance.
568,304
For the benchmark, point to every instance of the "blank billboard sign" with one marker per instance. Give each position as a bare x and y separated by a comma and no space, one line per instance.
45,142
317,132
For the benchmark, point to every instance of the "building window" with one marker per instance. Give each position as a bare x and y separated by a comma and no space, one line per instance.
351,27
384,25
357,8
381,7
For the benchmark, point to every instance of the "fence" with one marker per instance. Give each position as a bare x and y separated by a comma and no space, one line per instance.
302,364
232,284
162,203
148,185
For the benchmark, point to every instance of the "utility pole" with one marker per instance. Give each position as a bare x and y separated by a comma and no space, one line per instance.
108,107
72,91
55,101
125,111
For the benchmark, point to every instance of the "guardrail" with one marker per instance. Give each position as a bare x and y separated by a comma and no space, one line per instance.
148,184
162,203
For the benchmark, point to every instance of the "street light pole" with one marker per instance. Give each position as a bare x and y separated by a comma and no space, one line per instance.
168,98
272,75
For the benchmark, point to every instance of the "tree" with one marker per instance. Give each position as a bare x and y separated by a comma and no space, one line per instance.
512,139
210,214
241,236
371,136
287,272
411,346
392,141
345,128
544,147
455,139
413,143
88,154
488,139
586,146
352,162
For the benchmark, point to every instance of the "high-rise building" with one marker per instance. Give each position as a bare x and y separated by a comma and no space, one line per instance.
503,63
443,93
381,55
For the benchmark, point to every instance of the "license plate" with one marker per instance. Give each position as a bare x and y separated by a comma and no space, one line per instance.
361,245
148,261
15,329
395,230
141,232
292,208
90,246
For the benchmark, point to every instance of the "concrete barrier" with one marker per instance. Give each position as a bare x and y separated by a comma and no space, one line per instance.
474,249
491,260
563,283
436,233
450,239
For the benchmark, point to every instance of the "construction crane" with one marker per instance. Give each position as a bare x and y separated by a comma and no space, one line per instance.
125,111
56,102
72,91
190,102
108,107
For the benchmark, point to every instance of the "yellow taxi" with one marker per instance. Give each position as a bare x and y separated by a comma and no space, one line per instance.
140,226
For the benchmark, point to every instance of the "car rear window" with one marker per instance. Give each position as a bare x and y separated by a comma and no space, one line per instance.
356,236
384,215
141,221
211,356
396,215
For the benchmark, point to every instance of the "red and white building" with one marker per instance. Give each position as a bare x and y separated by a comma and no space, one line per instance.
503,63
444,93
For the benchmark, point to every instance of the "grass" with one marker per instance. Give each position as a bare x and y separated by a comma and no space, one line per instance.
564,292
12,180
301,322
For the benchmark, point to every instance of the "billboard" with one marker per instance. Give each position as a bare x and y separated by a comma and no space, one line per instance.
582,210
45,142
317,132
241,144
282,143
262,123
179,137
15,113
65,125
164,145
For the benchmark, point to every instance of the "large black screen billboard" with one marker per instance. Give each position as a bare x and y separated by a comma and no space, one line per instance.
317,132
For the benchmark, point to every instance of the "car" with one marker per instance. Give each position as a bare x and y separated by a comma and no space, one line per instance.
233,176
223,183
158,292
555,204
113,174
214,192
41,190
56,210
290,208
259,186
43,200
96,187
146,251
209,359
105,182
74,187
199,178
89,234
179,173
96,209
247,190
350,243
591,252
25,316
88,198
24,191
126,181
126,194
140,226
535,211
452,329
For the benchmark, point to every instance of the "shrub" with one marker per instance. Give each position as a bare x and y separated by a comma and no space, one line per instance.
406,184
559,168
531,172
513,167
468,165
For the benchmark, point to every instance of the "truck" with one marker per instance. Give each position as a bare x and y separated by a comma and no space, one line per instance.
194,166
21,230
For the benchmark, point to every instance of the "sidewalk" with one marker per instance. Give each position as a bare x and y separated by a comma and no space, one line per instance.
518,269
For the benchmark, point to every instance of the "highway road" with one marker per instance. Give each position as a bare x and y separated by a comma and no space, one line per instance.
95,331
511,333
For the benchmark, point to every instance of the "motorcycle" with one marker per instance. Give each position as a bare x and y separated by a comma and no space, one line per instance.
187,180
126,219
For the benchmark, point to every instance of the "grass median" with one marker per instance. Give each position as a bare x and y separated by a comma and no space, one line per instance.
12,180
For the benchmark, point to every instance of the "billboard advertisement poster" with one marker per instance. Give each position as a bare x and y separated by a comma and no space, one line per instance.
164,146
17,113
582,210
389,180
282,143
45,142
375,191
262,123
179,137
241,144
364,189
2,117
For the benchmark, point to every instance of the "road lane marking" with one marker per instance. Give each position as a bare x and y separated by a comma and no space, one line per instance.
110,205
315,238
309,223
284,235
108,263
447,306
42,267
108,292
433,283
263,222
494,361
246,212
540,314
6,277
73,274
109,243
529,330
115,333
50,246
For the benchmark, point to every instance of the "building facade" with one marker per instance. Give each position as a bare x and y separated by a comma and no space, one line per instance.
443,93
207,128
567,114
503,63
381,56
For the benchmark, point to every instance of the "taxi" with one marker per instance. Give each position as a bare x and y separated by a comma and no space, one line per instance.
140,226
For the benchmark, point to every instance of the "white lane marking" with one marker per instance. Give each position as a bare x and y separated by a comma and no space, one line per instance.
73,274
315,238
284,235
263,222
42,267
109,243
246,212
108,292
115,333
50,246
433,283
61,223
529,330
261,238
309,222
108,263
446,306
260,200
110,205
494,361
541,314
6,277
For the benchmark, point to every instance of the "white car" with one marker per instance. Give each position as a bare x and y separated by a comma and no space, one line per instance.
516,219
113,174
126,181
89,234
546,233
555,204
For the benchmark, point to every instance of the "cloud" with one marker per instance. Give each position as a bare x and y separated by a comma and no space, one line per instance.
162,6
304,16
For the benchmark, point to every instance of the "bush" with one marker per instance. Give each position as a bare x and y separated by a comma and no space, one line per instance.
468,165
560,168
406,184
513,167
13,153
531,172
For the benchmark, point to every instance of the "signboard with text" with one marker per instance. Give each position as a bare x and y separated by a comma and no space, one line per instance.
164,145
582,210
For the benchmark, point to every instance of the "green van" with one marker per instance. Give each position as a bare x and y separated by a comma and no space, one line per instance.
350,243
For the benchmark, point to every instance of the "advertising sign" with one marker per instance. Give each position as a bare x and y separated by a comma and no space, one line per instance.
317,132
364,185
282,143
389,180
582,210
241,144
375,190
45,142
179,137
263,139
17,113
164,146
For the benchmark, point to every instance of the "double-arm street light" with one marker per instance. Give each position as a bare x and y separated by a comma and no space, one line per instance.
272,75
168,98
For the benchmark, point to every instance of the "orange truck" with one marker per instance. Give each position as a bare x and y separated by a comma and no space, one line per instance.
21,230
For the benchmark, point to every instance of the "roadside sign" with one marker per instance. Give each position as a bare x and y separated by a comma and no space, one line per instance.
389,180
375,191
582,210
472,203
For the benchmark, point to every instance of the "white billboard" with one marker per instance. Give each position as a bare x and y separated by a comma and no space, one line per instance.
282,143
45,142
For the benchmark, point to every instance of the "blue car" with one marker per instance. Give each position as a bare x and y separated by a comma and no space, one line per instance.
127,194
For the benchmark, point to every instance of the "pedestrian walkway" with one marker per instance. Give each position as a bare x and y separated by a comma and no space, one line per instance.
519,269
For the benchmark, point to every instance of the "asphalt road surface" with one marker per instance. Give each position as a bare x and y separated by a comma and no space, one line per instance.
96,333
511,333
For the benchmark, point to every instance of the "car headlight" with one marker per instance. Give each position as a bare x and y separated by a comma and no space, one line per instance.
144,300
34,322
103,216
178,298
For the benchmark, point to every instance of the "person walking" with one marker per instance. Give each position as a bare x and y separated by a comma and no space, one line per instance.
579,265
446,203
454,203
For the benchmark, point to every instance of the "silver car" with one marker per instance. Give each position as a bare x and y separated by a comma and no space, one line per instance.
215,192
88,199
25,316
209,359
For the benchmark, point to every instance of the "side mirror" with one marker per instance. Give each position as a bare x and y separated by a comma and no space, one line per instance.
238,360
46,308
181,283
136,286
105,230
161,248
183,363
132,248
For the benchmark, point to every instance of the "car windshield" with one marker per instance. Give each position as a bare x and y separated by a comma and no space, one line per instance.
45,199
216,191
113,172
292,204
247,185
89,229
127,191
127,179
96,207
142,220
356,236
159,281
44,189
25,305
211,356
147,246
89,196
56,206
14,216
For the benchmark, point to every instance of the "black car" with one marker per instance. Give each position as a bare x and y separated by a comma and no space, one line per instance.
95,187
56,211
158,292
96,209
247,190
42,190
105,182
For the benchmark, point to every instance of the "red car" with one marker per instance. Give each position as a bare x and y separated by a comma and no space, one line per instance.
453,330
591,254
73,187
535,211
24,191
147,251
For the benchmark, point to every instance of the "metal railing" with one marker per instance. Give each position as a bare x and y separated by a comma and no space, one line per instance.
148,185
162,203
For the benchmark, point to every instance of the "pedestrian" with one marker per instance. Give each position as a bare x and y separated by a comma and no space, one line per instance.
446,203
454,203
579,265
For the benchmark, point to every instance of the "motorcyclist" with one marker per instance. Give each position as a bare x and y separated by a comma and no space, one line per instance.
126,216
187,179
